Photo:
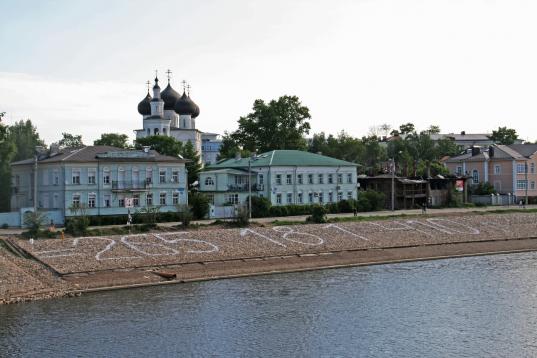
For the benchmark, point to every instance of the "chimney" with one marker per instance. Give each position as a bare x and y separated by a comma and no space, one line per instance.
463,133
475,151
491,151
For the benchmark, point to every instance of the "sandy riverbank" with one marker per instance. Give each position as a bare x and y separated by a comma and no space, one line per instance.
86,264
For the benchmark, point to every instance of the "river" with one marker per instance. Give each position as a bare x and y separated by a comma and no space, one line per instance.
465,307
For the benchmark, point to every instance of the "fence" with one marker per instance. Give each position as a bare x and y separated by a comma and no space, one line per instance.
493,199
16,218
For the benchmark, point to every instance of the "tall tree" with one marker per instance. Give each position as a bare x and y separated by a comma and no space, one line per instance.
504,135
114,140
194,165
7,153
280,124
230,148
433,129
71,141
162,144
24,136
407,128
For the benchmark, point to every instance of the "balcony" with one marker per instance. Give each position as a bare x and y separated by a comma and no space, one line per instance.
244,187
130,186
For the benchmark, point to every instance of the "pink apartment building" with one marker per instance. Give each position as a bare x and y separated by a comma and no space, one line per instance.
509,168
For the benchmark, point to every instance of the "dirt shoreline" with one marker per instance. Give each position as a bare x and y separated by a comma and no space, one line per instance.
60,268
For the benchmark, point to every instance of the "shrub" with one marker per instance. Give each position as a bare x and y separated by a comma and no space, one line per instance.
34,221
482,189
346,206
242,218
370,200
199,204
278,211
77,225
260,207
184,215
5,226
318,214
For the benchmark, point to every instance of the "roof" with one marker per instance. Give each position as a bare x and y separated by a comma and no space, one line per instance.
283,158
235,171
526,150
462,137
99,153
512,151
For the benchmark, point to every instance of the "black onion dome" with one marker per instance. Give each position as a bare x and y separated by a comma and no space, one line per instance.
144,107
184,105
197,111
170,97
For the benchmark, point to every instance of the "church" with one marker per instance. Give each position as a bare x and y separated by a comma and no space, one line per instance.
171,114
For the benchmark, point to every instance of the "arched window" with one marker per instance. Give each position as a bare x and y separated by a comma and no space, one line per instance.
155,131
209,181
475,176
148,131
164,131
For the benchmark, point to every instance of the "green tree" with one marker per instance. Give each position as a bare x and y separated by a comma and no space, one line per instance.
407,128
504,135
230,148
71,141
199,204
280,124
193,166
162,144
433,129
114,140
7,153
24,136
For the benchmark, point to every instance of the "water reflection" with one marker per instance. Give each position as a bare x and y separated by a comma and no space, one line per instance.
480,306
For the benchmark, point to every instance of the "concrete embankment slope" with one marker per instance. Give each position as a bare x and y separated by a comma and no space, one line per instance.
94,263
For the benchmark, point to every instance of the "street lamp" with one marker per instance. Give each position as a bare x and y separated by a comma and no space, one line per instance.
392,167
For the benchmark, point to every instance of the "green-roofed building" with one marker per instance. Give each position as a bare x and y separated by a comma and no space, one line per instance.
285,177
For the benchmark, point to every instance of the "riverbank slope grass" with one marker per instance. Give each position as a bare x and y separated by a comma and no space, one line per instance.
99,262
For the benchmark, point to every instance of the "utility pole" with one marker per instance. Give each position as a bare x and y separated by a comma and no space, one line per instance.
393,183
35,180
250,188
526,177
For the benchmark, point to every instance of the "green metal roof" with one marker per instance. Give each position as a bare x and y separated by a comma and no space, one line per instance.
283,158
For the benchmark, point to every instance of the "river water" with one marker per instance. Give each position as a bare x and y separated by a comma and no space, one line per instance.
466,307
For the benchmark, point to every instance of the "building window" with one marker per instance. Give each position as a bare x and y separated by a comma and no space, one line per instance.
339,196
299,179
349,195
136,200
261,179
310,178
310,198
91,200
56,177
91,176
475,176
55,201
162,199
121,202
149,175
330,179
521,168
278,179
76,200
106,176
532,168
149,199
321,178
44,203
209,181
497,169
210,197
278,198
107,201
349,178
299,198
45,177
175,176
321,197
521,184
340,178
162,176
289,179
289,198
459,170
330,197
76,176
175,198
232,199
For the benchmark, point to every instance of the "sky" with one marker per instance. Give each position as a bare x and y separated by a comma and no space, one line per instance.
81,66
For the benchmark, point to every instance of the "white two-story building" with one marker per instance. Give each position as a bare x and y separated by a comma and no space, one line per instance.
285,177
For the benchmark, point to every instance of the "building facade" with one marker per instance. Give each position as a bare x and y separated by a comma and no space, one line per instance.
105,180
284,177
509,168
168,113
